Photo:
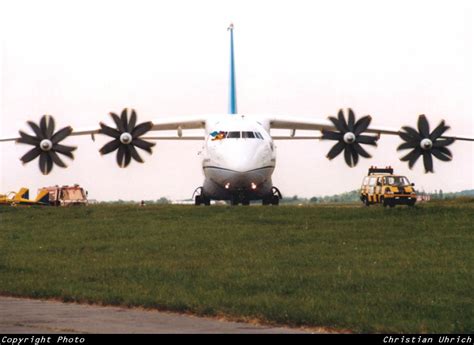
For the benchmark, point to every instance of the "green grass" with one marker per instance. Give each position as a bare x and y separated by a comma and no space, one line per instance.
336,266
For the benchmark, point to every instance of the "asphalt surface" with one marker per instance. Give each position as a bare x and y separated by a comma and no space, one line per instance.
27,316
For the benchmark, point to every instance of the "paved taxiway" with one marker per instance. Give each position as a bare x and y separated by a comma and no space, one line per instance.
18,315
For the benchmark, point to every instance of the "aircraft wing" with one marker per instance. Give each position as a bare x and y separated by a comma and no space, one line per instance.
125,134
162,124
306,123
351,135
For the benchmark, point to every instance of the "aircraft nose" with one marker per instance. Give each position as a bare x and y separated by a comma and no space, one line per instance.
244,158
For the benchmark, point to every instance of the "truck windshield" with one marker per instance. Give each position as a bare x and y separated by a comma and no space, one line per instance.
396,180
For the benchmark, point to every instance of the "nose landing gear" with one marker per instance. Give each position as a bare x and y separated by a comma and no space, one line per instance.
272,199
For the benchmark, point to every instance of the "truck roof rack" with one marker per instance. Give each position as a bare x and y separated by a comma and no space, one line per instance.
375,170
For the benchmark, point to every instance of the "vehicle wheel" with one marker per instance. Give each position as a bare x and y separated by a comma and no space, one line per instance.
245,202
234,201
207,201
275,200
391,205
197,200
366,202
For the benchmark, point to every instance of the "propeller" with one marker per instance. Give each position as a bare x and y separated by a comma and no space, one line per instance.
425,143
46,144
126,138
349,137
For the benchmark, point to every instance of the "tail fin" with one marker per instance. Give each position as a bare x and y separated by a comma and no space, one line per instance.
232,91
24,193
42,197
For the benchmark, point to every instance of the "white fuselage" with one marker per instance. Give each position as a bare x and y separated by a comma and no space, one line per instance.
238,157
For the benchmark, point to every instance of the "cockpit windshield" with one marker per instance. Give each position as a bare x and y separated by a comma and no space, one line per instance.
218,135
396,181
233,135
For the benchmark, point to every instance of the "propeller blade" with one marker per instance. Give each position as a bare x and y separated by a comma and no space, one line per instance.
124,119
132,122
65,150
367,139
411,133
351,122
61,134
45,163
336,150
111,132
407,137
56,159
44,127
348,156
362,124
443,142
31,154
423,126
342,120
360,150
135,155
128,155
141,129
120,155
49,126
28,139
110,147
412,157
428,162
439,130
355,156
36,129
340,127
144,145
441,154
407,145
118,122
332,135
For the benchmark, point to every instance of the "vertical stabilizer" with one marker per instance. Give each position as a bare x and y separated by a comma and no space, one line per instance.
43,197
232,91
24,193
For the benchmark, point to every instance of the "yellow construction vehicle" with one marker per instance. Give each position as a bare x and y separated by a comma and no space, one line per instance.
381,186
22,198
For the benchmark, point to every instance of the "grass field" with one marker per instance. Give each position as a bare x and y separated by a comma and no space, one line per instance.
336,266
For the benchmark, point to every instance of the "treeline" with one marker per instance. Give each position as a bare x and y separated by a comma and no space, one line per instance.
160,201
440,195
353,196
348,197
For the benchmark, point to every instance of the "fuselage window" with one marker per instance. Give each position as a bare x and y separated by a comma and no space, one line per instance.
233,134
248,135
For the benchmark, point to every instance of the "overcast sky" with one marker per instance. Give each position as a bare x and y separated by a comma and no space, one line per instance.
80,60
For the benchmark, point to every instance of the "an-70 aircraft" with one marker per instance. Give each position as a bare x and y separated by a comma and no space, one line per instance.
238,155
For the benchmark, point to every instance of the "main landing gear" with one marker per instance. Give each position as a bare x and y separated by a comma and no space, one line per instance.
273,199
200,198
